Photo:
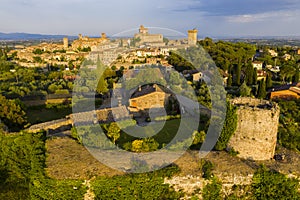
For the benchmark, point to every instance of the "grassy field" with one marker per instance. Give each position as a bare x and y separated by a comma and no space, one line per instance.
66,159
169,131
39,114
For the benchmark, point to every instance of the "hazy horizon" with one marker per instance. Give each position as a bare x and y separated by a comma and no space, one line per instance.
228,18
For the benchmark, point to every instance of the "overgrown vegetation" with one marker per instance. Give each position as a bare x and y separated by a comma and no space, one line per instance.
212,191
229,127
22,175
136,186
272,185
289,127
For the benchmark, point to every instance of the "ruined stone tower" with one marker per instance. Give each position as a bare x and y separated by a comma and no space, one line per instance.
66,43
192,37
256,134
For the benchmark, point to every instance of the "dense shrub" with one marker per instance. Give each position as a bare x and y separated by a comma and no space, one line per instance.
273,185
229,128
136,186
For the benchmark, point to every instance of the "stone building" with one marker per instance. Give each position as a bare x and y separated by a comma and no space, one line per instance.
105,115
147,38
66,43
148,97
256,134
85,42
192,37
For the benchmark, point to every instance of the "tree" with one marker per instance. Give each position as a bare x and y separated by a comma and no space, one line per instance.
238,74
144,145
52,88
296,78
114,132
244,90
273,185
175,78
262,93
269,82
249,74
37,59
229,82
289,128
102,86
38,51
229,128
199,137
12,113
254,82
287,71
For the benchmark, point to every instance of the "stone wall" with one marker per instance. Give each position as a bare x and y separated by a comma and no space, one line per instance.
256,134
106,115
51,125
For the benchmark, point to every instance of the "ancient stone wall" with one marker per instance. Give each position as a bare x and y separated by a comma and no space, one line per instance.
256,134
51,125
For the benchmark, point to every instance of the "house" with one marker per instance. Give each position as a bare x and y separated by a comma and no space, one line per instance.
194,74
261,74
273,53
287,92
197,76
287,57
147,97
258,65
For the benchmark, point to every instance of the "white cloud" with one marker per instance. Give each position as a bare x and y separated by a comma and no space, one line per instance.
263,17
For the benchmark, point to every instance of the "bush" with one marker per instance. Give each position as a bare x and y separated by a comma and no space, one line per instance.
212,191
289,127
273,185
62,91
144,145
233,152
135,186
207,168
167,118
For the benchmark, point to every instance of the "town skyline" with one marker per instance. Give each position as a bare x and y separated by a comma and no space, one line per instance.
213,18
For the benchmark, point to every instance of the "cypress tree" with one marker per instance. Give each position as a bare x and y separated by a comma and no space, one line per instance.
254,82
249,74
269,82
297,76
229,81
262,93
238,70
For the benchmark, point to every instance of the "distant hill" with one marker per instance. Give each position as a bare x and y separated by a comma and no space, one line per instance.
28,36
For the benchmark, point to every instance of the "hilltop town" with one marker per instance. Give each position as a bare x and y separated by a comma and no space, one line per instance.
124,52
57,96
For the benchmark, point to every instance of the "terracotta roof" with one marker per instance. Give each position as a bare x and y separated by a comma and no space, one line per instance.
147,89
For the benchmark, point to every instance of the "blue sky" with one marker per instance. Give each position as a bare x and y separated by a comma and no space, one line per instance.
210,17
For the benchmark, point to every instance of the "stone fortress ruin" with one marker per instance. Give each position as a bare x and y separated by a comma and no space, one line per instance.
257,124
